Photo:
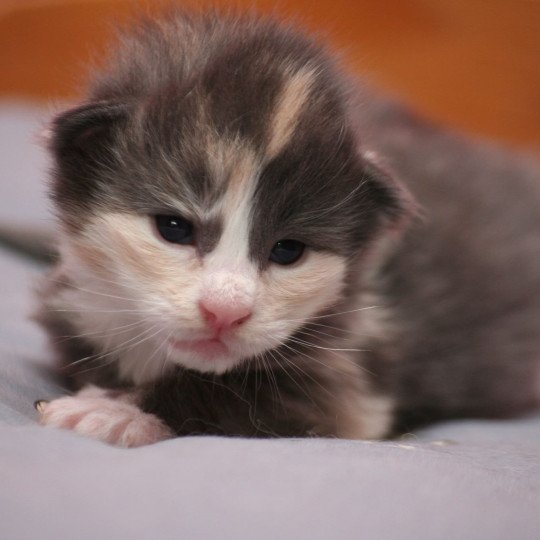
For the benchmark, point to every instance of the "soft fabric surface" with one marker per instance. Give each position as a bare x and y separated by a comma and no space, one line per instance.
471,479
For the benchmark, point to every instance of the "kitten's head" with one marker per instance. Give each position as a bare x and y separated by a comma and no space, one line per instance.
212,190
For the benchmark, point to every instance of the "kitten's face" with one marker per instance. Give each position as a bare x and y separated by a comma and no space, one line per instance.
214,227
210,311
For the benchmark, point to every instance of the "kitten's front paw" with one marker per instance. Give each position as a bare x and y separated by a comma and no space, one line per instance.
104,418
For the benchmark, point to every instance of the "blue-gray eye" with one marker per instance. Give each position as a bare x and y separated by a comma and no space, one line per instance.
287,251
175,229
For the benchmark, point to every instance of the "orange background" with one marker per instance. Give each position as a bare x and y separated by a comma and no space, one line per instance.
474,64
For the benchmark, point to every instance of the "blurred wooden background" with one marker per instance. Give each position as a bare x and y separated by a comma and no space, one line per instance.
474,64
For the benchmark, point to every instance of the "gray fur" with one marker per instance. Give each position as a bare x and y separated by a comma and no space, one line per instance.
464,284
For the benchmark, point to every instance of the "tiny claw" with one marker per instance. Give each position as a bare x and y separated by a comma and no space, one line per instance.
39,405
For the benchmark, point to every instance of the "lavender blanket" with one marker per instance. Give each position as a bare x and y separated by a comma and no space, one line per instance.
460,480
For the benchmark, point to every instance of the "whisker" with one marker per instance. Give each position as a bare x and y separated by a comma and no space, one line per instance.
165,360
341,355
318,213
120,347
309,324
256,393
117,284
137,311
99,293
313,332
276,362
125,350
306,319
276,395
302,373
306,343
125,328
156,350
123,285
320,361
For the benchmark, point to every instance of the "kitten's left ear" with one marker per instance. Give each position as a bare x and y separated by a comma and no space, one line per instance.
395,203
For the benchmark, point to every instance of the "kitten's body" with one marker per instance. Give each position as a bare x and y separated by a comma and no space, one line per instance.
249,131
464,283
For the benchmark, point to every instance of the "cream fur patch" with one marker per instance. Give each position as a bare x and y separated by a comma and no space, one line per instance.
292,98
292,294
127,295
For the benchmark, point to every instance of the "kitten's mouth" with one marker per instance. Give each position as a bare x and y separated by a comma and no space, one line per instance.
210,348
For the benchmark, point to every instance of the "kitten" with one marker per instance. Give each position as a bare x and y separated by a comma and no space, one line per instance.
235,260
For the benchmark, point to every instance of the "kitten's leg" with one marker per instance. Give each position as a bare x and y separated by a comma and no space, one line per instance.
107,415
365,416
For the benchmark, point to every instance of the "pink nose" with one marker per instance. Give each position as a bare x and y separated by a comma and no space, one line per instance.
223,316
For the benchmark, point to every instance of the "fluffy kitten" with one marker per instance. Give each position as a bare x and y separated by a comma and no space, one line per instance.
233,260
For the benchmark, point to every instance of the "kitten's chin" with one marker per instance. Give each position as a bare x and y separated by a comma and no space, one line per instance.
205,355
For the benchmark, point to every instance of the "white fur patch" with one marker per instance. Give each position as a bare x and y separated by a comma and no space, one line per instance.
235,211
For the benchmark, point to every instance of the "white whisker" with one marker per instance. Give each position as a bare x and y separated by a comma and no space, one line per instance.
307,344
105,333
332,314
146,338
295,369
106,295
120,347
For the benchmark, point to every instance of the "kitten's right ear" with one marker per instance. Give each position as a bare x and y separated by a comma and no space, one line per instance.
397,206
82,141
85,132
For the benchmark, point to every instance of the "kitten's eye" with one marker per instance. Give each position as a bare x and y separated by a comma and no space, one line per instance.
287,251
175,229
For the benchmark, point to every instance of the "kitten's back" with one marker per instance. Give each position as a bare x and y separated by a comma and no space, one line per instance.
465,282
